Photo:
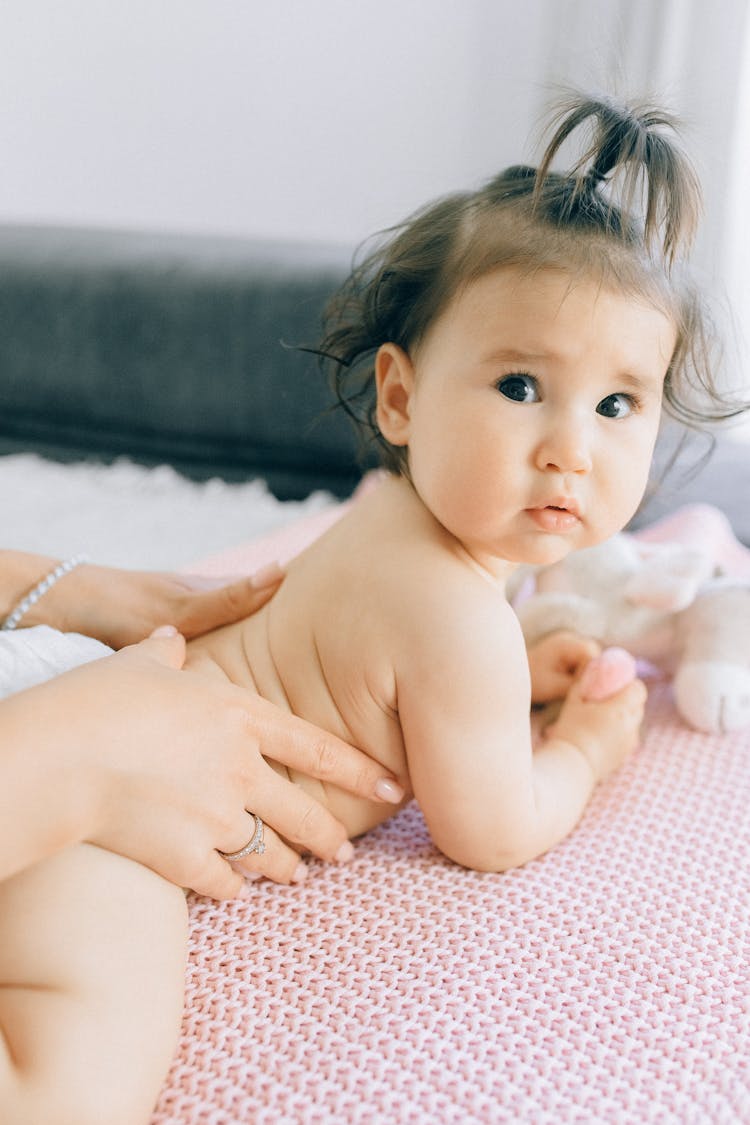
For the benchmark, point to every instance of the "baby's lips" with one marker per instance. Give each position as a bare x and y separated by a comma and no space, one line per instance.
607,674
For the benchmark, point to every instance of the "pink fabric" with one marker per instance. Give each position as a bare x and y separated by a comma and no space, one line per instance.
279,546
605,982
702,528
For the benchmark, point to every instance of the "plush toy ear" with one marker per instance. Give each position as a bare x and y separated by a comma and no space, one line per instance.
669,578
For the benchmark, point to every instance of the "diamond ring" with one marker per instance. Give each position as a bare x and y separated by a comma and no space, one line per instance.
254,845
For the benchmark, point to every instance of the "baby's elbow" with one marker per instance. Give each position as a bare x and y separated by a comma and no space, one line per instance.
488,854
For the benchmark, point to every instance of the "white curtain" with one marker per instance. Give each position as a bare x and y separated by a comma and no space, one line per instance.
695,57
736,241
686,52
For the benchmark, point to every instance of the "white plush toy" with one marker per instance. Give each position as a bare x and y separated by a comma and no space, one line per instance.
664,604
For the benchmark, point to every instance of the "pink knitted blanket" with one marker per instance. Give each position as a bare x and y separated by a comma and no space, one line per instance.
608,981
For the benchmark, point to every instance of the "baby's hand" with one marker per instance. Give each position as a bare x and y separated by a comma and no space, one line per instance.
556,661
606,731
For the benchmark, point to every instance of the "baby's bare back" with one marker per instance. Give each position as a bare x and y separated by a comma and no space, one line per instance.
322,648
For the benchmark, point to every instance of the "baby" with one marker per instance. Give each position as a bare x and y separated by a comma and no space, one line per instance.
510,350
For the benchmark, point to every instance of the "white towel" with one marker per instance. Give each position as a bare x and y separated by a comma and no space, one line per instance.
31,656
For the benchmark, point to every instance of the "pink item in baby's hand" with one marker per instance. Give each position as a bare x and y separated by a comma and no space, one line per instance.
607,674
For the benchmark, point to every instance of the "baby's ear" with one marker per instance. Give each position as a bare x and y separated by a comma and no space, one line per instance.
394,379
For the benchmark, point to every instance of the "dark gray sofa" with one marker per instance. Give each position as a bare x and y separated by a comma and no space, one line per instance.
170,348
167,348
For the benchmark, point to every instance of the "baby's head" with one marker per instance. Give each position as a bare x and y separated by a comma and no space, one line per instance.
532,285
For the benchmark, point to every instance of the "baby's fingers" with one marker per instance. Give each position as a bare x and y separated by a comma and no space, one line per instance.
555,661
636,694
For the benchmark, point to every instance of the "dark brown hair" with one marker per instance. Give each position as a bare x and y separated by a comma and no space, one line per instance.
626,211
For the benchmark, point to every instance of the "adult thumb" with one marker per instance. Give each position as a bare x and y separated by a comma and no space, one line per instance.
167,645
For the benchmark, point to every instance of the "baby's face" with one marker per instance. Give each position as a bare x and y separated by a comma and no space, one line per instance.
534,411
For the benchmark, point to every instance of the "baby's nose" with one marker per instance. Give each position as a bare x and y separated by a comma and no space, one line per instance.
566,448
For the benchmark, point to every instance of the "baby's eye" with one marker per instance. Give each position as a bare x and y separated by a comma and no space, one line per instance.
519,388
616,406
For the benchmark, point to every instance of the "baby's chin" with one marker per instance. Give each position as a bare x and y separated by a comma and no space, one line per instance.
545,549
538,547
502,562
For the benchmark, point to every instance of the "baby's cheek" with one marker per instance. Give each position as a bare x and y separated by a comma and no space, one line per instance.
622,495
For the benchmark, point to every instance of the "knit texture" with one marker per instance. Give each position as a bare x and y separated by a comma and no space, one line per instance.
607,981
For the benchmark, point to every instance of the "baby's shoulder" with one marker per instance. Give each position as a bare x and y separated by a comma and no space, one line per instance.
389,559
469,588
449,603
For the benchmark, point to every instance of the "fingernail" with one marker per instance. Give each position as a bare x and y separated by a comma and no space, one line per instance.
267,575
389,791
165,631
300,873
245,891
345,853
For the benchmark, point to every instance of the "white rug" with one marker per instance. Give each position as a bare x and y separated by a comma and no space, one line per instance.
126,515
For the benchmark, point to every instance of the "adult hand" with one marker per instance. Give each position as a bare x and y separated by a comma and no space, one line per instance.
121,607
163,764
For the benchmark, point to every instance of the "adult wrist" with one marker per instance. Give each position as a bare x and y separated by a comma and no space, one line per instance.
20,572
27,604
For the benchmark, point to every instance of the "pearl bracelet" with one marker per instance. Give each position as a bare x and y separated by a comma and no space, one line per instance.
39,591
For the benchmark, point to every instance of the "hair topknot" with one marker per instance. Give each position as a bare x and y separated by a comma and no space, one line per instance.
638,145
624,211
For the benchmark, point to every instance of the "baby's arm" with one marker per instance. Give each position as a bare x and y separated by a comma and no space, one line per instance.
464,697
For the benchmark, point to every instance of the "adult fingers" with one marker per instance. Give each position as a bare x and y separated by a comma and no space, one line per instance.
165,644
322,755
218,879
209,606
278,861
293,813
221,878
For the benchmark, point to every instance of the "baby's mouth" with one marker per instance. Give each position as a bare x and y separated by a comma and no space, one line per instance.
560,517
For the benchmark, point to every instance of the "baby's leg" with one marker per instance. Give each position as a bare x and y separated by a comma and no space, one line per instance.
92,962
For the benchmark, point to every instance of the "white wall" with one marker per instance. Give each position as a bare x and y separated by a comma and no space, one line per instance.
325,118
317,118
